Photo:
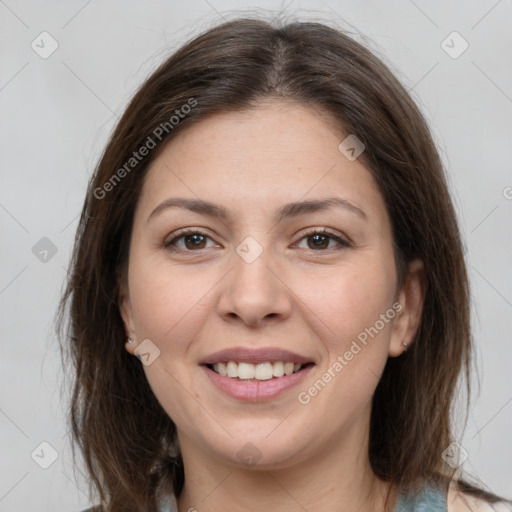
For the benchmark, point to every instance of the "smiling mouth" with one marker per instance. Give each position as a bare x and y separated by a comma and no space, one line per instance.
256,372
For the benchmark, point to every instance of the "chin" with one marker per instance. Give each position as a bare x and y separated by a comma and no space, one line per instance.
262,453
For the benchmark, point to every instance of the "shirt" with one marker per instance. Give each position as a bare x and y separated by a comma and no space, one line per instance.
429,499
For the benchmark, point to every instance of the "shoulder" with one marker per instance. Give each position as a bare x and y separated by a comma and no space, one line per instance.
458,501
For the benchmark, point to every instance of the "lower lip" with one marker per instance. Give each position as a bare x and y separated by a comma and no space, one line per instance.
256,391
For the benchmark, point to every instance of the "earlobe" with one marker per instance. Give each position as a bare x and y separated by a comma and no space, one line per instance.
411,298
125,310
130,345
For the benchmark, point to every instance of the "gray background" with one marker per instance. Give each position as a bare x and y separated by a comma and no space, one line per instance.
56,114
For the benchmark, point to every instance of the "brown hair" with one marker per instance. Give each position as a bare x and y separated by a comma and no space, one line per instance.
128,442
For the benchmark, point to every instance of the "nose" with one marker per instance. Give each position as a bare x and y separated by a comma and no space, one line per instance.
255,292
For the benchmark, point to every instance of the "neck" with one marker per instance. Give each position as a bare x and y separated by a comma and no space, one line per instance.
339,478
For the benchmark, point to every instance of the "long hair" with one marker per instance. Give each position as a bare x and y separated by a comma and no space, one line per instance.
127,440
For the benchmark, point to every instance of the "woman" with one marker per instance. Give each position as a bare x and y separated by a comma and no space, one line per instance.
268,298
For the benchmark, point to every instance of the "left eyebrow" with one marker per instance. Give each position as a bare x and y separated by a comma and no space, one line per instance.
286,211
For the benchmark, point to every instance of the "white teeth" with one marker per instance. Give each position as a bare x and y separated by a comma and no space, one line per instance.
246,371
288,368
232,369
260,371
263,371
278,369
221,368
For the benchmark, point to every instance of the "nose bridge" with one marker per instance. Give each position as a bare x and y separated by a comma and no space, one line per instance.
254,290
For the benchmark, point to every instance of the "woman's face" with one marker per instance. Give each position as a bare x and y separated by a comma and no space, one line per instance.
261,285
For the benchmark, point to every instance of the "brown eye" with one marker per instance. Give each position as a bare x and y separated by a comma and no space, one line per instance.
320,239
193,240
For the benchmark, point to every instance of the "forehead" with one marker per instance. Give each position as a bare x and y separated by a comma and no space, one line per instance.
274,153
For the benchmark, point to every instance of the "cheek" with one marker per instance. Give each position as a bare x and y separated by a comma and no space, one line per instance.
356,309
169,308
343,302
167,299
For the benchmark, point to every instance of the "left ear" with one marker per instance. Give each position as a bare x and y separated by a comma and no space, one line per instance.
125,309
411,299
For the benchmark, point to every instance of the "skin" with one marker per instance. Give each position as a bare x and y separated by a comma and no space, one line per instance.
313,301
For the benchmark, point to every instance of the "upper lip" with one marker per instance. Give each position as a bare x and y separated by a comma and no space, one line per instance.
255,356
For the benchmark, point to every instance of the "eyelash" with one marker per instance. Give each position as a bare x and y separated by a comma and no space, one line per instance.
191,231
